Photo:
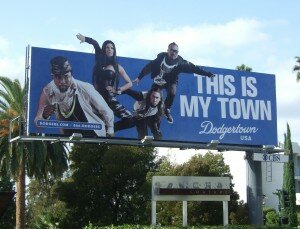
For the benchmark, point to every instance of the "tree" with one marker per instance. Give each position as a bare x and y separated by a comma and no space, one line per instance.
17,158
271,217
107,185
44,209
244,67
288,189
241,215
297,68
7,219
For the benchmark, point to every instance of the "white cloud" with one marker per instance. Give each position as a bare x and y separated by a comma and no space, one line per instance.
287,94
202,44
13,68
4,44
194,41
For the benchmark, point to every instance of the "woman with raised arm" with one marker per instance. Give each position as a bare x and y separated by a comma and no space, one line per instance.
107,73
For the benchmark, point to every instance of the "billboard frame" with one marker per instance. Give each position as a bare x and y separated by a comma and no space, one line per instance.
147,141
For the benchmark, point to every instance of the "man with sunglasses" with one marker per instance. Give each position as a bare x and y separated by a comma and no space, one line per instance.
74,101
165,70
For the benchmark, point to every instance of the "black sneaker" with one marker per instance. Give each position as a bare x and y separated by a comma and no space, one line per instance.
169,116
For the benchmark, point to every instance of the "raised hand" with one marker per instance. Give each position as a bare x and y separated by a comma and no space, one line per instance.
48,111
137,80
211,75
80,37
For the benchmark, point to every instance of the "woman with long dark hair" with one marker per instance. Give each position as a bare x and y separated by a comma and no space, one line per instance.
107,73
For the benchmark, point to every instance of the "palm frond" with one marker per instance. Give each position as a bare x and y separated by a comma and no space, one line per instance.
298,76
40,158
12,94
296,68
8,85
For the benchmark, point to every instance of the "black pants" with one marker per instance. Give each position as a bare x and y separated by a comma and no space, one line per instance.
106,78
141,126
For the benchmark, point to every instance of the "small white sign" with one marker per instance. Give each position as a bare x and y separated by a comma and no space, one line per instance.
297,198
280,158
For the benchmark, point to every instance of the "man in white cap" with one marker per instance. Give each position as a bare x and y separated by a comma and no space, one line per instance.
74,101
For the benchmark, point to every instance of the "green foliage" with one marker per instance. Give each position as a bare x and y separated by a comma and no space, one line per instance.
38,158
241,215
8,218
131,226
298,216
11,96
44,210
296,68
243,67
289,202
266,210
271,217
107,185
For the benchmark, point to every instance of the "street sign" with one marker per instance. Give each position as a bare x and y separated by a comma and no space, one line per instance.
280,158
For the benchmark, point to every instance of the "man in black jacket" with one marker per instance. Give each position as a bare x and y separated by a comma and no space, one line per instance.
148,110
165,70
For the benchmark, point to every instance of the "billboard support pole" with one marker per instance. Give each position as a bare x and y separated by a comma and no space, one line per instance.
26,90
254,189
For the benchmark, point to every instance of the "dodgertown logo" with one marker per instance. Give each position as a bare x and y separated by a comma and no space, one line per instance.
208,127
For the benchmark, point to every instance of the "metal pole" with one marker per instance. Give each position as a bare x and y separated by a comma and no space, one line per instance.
184,214
24,117
254,189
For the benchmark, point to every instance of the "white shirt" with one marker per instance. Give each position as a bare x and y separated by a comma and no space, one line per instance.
89,100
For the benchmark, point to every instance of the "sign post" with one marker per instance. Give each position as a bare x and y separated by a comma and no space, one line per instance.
184,213
190,188
153,213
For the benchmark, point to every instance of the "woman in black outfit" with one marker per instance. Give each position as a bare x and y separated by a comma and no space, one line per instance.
106,75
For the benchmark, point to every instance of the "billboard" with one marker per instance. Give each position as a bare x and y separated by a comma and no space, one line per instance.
233,107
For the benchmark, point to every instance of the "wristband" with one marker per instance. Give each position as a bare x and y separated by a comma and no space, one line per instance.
119,92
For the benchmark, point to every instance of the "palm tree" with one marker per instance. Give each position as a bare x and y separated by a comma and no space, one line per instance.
38,159
297,68
243,67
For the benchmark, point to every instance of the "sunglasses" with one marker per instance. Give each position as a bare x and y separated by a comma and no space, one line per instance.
65,76
174,50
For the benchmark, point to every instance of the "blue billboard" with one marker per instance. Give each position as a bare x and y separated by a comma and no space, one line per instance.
65,97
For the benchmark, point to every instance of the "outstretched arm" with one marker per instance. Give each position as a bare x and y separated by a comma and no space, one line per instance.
145,71
188,67
90,41
137,95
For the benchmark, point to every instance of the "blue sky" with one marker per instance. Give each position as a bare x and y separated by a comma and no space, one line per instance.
261,34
